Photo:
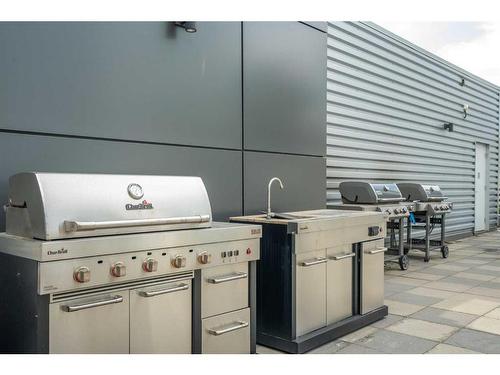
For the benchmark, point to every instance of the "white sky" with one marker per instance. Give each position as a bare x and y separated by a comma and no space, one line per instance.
473,46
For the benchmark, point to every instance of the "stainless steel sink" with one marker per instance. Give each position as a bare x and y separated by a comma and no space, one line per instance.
277,215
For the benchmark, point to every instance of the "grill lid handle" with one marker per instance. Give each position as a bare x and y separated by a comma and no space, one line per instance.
78,226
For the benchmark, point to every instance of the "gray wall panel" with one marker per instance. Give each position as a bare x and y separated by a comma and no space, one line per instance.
284,67
387,101
220,169
145,81
303,178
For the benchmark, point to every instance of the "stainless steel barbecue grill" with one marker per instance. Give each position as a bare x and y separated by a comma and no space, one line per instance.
54,206
431,208
123,264
385,198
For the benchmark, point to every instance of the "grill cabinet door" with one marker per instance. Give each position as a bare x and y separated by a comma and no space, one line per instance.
160,319
372,275
310,291
227,333
94,325
339,283
224,288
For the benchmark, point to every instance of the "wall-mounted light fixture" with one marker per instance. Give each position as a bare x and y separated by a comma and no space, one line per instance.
188,26
448,126
466,110
462,82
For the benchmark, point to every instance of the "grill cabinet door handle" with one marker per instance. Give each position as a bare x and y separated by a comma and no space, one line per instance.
340,257
378,250
226,278
172,289
234,327
89,305
313,262
77,226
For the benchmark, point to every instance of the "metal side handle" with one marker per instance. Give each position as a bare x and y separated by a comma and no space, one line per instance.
89,305
77,226
172,289
230,328
340,257
226,278
313,262
377,251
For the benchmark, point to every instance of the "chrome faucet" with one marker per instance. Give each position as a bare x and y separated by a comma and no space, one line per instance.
269,213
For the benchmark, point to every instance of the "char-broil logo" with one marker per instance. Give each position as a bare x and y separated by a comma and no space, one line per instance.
144,205
57,252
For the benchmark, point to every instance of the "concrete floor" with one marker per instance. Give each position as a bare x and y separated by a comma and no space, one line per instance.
446,306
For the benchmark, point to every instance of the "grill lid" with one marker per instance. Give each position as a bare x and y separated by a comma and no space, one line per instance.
366,193
53,206
423,193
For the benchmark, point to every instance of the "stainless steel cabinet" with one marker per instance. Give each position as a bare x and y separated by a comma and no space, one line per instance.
372,275
223,289
160,318
227,333
93,325
339,283
310,273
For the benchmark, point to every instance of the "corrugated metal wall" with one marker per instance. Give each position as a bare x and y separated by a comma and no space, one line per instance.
387,101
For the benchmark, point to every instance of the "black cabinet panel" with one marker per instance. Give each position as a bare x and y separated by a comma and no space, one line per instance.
220,169
123,80
284,80
303,179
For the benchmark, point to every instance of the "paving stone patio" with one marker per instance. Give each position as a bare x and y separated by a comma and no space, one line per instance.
446,306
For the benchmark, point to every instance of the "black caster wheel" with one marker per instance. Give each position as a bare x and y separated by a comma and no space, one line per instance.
445,251
404,262
427,259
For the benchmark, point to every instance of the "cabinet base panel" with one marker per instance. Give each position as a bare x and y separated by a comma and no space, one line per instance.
323,335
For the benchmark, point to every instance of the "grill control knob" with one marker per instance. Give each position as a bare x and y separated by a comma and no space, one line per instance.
396,210
118,269
179,261
204,257
82,275
150,265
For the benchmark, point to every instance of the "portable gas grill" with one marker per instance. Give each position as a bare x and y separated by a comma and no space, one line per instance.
385,198
431,207
123,264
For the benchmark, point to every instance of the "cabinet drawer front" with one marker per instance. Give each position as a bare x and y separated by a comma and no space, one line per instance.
94,325
224,289
310,289
339,283
160,319
372,275
227,333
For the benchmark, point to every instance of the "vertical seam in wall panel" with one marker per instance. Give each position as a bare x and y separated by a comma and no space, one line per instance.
242,130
